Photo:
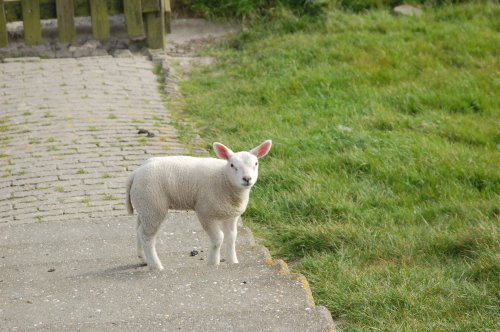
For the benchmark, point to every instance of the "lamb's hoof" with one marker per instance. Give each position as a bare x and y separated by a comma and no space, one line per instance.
212,263
156,268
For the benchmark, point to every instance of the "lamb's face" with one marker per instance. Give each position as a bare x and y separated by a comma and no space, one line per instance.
243,169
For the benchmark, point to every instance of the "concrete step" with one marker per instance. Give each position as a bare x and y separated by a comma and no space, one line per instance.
79,274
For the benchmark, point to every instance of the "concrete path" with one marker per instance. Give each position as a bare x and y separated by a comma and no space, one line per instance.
68,140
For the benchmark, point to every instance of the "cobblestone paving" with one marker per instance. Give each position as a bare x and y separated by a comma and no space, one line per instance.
69,135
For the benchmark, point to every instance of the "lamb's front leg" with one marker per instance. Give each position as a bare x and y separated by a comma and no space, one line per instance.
216,235
230,233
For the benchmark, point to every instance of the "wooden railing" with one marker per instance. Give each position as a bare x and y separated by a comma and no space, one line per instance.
148,19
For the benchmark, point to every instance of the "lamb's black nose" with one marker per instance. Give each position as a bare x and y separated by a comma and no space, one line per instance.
247,179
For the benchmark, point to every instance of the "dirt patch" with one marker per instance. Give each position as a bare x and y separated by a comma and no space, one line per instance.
189,36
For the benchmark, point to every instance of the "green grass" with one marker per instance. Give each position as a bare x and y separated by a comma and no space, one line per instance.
382,186
250,9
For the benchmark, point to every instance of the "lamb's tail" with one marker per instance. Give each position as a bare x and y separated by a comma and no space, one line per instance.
128,203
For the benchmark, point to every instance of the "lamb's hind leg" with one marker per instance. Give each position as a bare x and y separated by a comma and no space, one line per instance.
146,232
140,248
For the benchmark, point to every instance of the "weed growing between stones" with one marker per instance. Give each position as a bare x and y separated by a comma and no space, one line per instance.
86,200
109,197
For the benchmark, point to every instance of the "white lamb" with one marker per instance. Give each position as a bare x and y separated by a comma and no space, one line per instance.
218,190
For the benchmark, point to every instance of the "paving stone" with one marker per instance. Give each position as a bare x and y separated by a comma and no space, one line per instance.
407,10
5,207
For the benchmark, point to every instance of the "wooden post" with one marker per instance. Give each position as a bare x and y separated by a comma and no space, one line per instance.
31,21
168,16
4,40
155,27
100,21
66,20
155,13
132,10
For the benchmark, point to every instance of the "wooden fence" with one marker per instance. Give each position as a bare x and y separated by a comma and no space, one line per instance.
148,19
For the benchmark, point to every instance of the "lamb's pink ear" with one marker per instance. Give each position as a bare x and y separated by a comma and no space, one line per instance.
222,151
262,149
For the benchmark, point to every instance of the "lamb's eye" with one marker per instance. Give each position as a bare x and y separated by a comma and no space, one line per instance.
256,163
232,166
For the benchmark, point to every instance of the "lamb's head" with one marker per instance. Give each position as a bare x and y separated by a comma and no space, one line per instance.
242,168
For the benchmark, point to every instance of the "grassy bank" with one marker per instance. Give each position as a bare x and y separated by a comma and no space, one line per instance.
383,183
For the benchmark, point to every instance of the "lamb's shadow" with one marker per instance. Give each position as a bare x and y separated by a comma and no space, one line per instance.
119,272
126,268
